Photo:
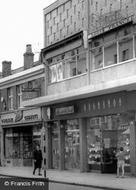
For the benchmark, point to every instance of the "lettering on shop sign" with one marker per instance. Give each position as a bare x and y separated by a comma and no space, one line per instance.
98,105
64,110
31,117
111,26
7,120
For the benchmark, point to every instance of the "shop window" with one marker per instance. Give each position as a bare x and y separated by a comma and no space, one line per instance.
94,143
72,148
105,136
55,147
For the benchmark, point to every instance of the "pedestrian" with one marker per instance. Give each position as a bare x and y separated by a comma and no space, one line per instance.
120,161
37,156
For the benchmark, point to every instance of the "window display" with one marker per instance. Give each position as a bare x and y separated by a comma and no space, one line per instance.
55,147
94,143
18,145
72,149
105,135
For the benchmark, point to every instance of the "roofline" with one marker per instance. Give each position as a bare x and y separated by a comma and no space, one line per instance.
53,6
17,77
63,42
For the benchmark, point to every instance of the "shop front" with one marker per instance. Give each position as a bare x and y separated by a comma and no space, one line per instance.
86,134
21,133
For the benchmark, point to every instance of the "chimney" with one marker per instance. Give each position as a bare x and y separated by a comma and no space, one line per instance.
6,68
28,57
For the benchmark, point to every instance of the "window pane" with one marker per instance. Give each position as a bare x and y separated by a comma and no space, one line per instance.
97,58
125,49
81,63
110,54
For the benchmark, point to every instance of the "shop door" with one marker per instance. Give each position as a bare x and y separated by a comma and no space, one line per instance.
72,149
115,134
27,147
109,126
55,146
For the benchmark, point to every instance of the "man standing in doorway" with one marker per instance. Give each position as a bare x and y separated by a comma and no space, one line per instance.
37,155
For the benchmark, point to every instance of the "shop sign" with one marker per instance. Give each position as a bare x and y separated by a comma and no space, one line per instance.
64,110
21,116
105,104
111,25
18,115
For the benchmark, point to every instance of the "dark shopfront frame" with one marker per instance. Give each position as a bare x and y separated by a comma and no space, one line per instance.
104,105
22,129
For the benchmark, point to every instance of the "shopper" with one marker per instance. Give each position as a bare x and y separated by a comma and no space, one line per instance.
37,155
120,161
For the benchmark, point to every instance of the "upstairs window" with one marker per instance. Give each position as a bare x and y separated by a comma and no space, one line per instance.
10,98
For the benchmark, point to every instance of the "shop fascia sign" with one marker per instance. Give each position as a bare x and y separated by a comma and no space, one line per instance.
116,23
64,110
20,116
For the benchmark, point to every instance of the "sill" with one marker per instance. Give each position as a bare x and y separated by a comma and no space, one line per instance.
73,77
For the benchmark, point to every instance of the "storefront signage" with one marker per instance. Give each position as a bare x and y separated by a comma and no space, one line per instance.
21,116
31,117
105,104
111,26
64,110
8,120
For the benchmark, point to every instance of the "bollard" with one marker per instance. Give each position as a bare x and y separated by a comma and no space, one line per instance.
44,173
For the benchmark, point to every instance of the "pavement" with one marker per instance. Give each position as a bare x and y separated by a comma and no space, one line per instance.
98,180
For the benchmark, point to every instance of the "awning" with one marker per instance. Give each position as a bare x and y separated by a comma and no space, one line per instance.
124,84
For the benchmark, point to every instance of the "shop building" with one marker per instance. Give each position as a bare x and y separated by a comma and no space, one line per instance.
89,107
21,128
21,133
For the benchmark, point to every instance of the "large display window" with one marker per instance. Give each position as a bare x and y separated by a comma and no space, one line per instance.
105,135
18,143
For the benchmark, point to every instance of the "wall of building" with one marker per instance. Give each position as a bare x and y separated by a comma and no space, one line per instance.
100,11
67,85
63,19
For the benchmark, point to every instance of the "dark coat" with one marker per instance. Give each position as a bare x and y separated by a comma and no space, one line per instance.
38,158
